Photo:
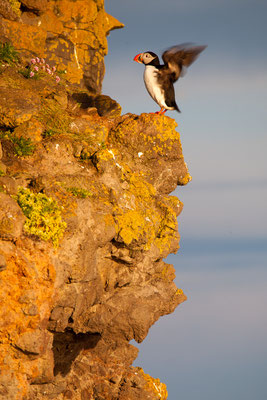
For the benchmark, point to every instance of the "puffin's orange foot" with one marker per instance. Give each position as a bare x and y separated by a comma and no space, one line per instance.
162,111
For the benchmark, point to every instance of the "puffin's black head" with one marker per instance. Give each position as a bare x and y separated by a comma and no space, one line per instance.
147,58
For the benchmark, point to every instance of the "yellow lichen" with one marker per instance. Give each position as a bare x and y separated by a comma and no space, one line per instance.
43,215
140,217
15,5
155,135
133,217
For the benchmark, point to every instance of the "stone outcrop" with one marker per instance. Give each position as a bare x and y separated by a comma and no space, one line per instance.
70,34
86,219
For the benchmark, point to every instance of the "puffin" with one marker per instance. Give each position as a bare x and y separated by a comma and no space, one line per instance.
159,79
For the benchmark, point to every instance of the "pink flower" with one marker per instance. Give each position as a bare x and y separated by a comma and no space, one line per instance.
57,79
31,74
37,60
48,71
53,69
47,66
36,68
42,60
33,61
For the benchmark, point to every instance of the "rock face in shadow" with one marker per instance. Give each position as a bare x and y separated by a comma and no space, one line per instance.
86,219
69,34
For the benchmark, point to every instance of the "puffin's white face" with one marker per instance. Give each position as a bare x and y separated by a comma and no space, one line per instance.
145,58
148,57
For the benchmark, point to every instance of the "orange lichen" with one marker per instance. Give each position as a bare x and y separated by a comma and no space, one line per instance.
185,179
85,25
27,286
154,385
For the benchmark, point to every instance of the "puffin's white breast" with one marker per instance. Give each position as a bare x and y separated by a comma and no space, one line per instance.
153,88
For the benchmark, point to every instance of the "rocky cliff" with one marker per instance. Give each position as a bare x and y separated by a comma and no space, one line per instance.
68,33
86,218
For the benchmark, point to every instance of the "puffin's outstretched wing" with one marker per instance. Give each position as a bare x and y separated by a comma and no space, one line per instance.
177,58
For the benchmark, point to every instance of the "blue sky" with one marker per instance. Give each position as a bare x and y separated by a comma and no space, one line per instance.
214,345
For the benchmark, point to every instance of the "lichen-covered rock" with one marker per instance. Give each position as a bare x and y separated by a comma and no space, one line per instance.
34,342
86,219
69,34
154,148
14,109
31,129
139,385
106,106
25,298
10,9
2,262
11,218
38,6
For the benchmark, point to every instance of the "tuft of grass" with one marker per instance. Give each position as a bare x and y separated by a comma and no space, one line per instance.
79,192
43,215
8,54
23,147
56,120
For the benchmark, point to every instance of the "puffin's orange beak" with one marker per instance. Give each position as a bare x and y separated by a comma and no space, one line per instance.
139,58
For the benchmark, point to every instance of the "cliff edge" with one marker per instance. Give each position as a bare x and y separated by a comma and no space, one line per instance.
86,218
